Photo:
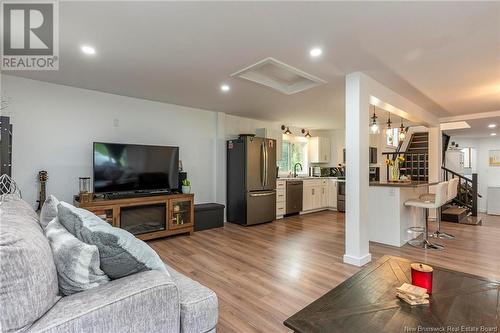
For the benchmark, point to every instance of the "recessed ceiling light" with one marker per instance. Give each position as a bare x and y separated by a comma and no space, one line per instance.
492,125
316,52
89,50
225,88
493,134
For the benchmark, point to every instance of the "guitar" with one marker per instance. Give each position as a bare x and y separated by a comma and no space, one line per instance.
42,178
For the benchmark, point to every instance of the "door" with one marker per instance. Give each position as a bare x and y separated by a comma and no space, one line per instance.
324,196
261,207
255,164
307,198
269,164
332,194
317,197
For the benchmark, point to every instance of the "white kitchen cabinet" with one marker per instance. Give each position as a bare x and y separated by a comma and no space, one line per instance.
272,134
315,194
319,150
332,193
280,198
308,193
323,202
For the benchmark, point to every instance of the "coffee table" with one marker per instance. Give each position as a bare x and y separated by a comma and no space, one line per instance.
367,302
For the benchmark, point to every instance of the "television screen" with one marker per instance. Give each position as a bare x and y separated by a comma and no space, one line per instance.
126,167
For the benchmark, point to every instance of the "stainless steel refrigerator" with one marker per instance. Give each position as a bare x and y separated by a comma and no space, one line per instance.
251,180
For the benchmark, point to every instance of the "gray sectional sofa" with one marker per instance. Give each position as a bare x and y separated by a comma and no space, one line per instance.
150,301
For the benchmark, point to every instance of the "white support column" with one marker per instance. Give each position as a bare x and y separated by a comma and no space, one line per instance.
435,154
435,160
357,151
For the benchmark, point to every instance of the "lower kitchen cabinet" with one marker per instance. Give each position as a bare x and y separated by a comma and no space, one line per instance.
280,199
319,194
332,193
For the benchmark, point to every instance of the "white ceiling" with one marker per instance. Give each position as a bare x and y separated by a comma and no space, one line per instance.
444,56
478,128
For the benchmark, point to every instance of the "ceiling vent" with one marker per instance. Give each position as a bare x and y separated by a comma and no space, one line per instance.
280,76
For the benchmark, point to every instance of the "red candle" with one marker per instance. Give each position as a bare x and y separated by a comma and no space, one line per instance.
421,276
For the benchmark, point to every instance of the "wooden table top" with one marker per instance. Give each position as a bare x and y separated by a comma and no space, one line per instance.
367,302
412,183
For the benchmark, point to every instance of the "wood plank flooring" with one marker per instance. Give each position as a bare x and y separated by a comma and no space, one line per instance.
265,273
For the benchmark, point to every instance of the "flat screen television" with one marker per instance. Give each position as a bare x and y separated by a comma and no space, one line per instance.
135,168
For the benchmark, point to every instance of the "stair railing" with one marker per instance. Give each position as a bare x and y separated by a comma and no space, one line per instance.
467,190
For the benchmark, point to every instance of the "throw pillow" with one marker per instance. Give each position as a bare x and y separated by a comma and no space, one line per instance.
121,253
49,210
77,263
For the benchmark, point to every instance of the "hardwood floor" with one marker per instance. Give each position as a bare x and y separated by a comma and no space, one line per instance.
265,273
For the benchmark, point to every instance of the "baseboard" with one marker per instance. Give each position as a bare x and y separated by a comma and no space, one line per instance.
361,261
317,210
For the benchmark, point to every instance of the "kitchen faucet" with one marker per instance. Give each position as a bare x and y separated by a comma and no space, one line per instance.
295,169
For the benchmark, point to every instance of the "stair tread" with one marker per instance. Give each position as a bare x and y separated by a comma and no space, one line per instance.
455,211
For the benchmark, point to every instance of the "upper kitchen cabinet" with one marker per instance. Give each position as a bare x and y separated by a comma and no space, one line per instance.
272,134
319,150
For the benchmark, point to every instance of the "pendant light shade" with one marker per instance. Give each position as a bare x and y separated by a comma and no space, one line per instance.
402,131
374,128
388,130
286,130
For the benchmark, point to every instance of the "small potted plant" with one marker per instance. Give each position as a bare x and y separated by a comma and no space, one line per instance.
186,186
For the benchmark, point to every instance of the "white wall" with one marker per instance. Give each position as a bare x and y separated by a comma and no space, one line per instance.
54,127
487,176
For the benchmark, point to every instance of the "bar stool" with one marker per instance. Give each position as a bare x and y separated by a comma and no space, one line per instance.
452,193
440,199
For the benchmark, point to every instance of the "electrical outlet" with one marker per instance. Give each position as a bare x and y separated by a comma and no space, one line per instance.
116,122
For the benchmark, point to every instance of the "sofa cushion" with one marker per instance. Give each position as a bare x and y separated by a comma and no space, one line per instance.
49,210
77,263
28,277
199,305
121,253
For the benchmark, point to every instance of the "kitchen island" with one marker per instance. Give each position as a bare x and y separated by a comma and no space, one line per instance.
389,218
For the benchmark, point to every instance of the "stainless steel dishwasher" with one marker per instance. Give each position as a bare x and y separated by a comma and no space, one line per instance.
293,196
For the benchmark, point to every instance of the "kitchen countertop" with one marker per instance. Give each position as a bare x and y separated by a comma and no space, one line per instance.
309,178
412,184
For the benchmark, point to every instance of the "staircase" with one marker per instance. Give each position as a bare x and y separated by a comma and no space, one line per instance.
463,208
416,163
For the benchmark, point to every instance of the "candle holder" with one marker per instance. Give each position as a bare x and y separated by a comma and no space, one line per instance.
421,276
84,189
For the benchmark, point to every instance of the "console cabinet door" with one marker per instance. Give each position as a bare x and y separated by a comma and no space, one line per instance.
181,213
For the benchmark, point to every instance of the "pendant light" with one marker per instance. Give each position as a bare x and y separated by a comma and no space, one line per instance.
402,131
306,133
374,128
388,130
287,131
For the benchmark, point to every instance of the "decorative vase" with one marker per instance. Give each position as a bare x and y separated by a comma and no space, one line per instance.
186,189
395,171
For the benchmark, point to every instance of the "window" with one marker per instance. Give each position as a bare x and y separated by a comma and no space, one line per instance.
393,139
294,150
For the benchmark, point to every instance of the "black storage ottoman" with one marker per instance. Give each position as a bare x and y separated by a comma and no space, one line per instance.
208,216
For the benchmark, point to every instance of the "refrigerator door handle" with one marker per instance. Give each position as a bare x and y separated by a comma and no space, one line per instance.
262,194
266,160
262,163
